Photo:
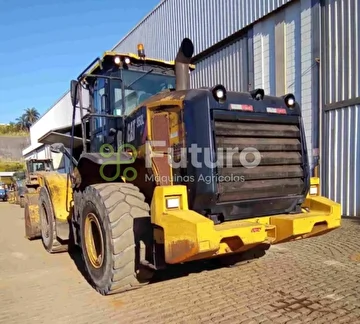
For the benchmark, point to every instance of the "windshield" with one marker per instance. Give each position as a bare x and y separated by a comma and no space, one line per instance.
138,87
39,166
20,183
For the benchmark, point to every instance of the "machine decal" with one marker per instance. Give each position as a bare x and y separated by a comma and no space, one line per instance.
136,130
241,107
174,135
272,110
143,140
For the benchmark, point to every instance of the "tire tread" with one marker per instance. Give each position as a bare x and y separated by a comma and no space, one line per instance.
55,246
114,198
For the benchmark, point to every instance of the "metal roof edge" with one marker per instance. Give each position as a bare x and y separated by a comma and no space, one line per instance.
139,23
131,31
52,106
31,148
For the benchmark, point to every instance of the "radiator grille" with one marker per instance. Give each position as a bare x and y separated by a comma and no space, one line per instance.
280,171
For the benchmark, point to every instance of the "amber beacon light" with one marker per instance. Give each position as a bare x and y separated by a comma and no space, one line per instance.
141,51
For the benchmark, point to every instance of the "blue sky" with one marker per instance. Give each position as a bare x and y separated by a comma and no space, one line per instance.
46,43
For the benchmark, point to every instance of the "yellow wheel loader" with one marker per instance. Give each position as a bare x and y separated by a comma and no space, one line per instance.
19,189
28,194
164,174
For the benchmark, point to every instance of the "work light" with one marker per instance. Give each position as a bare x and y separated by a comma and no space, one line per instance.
289,100
219,93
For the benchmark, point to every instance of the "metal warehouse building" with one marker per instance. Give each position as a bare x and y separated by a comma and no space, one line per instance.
307,47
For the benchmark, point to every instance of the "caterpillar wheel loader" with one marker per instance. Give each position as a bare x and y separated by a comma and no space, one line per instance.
138,198
36,169
18,181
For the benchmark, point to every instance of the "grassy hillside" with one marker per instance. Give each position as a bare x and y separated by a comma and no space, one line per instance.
12,130
11,166
11,147
14,138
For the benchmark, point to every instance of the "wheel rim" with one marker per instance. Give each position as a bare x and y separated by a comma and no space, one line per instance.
44,222
94,242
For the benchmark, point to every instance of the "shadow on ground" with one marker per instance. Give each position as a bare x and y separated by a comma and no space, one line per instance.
185,269
352,219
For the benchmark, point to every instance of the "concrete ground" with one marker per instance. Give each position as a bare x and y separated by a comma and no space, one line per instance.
311,281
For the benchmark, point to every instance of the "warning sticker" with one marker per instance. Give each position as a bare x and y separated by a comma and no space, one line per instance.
242,107
272,110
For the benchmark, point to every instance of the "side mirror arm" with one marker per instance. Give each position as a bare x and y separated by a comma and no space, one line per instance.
60,148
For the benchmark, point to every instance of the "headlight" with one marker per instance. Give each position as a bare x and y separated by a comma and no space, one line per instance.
172,203
117,60
127,60
313,190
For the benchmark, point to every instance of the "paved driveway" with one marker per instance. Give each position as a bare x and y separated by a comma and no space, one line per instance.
315,281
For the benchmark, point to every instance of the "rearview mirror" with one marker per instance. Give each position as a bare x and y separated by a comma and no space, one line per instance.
73,92
57,148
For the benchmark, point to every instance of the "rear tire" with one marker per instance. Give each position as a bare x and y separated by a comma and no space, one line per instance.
48,225
115,232
22,202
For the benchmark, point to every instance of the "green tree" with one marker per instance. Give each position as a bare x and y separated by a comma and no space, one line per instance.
31,116
22,123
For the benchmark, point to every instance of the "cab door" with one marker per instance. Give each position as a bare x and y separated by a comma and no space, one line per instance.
98,125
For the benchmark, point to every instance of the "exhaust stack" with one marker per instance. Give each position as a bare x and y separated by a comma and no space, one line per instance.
182,62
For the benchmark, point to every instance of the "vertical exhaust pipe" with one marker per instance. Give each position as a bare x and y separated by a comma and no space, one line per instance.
182,62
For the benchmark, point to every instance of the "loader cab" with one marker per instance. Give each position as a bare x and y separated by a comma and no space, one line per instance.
118,85
35,165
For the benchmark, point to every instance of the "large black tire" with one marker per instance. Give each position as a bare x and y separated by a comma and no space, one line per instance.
122,219
48,224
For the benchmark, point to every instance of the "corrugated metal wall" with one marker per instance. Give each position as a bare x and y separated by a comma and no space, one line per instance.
341,131
264,55
297,78
296,58
250,62
342,151
228,66
341,50
206,22
303,39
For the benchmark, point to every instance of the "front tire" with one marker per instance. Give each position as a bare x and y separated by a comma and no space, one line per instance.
115,231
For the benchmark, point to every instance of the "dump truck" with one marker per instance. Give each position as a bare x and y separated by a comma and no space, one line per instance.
138,198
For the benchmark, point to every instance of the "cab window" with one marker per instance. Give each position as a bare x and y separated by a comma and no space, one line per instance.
139,86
